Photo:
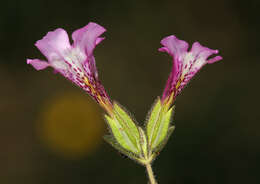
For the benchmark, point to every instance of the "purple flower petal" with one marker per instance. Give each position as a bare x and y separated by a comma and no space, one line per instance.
200,51
174,46
185,63
215,59
38,64
54,44
87,37
75,62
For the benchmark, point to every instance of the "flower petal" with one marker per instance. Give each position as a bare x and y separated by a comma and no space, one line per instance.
77,62
174,46
38,64
200,55
215,59
99,39
54,45
201,52
87,37
185,64
178,50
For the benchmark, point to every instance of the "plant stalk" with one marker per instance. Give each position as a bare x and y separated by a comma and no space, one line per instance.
150,174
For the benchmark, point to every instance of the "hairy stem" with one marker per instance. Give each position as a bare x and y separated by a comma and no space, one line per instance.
150,174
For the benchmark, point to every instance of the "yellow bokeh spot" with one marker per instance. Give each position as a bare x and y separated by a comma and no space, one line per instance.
71,125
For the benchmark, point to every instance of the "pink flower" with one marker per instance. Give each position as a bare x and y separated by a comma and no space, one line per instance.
75,62
185,63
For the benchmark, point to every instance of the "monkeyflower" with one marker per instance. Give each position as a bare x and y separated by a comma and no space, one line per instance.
185,63
75,62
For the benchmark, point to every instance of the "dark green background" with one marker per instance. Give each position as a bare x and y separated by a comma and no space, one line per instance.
217,137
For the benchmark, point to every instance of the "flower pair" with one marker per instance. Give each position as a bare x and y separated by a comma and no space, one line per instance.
76,62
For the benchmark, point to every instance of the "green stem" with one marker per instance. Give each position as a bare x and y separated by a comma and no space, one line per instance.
150,174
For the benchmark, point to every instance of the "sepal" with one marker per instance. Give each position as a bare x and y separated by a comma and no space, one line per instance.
158,125
163,143
143,142
124,130
141,145
113,142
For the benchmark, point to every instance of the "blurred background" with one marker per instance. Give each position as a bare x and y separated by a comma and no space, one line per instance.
51,131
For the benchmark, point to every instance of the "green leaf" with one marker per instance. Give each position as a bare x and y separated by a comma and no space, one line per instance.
163,143
120,135
143,142
153,120
128,126
111,140
163,127
158,124
124,129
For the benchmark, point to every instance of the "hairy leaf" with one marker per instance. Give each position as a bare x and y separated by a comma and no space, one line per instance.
128,126
158,123
120,135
